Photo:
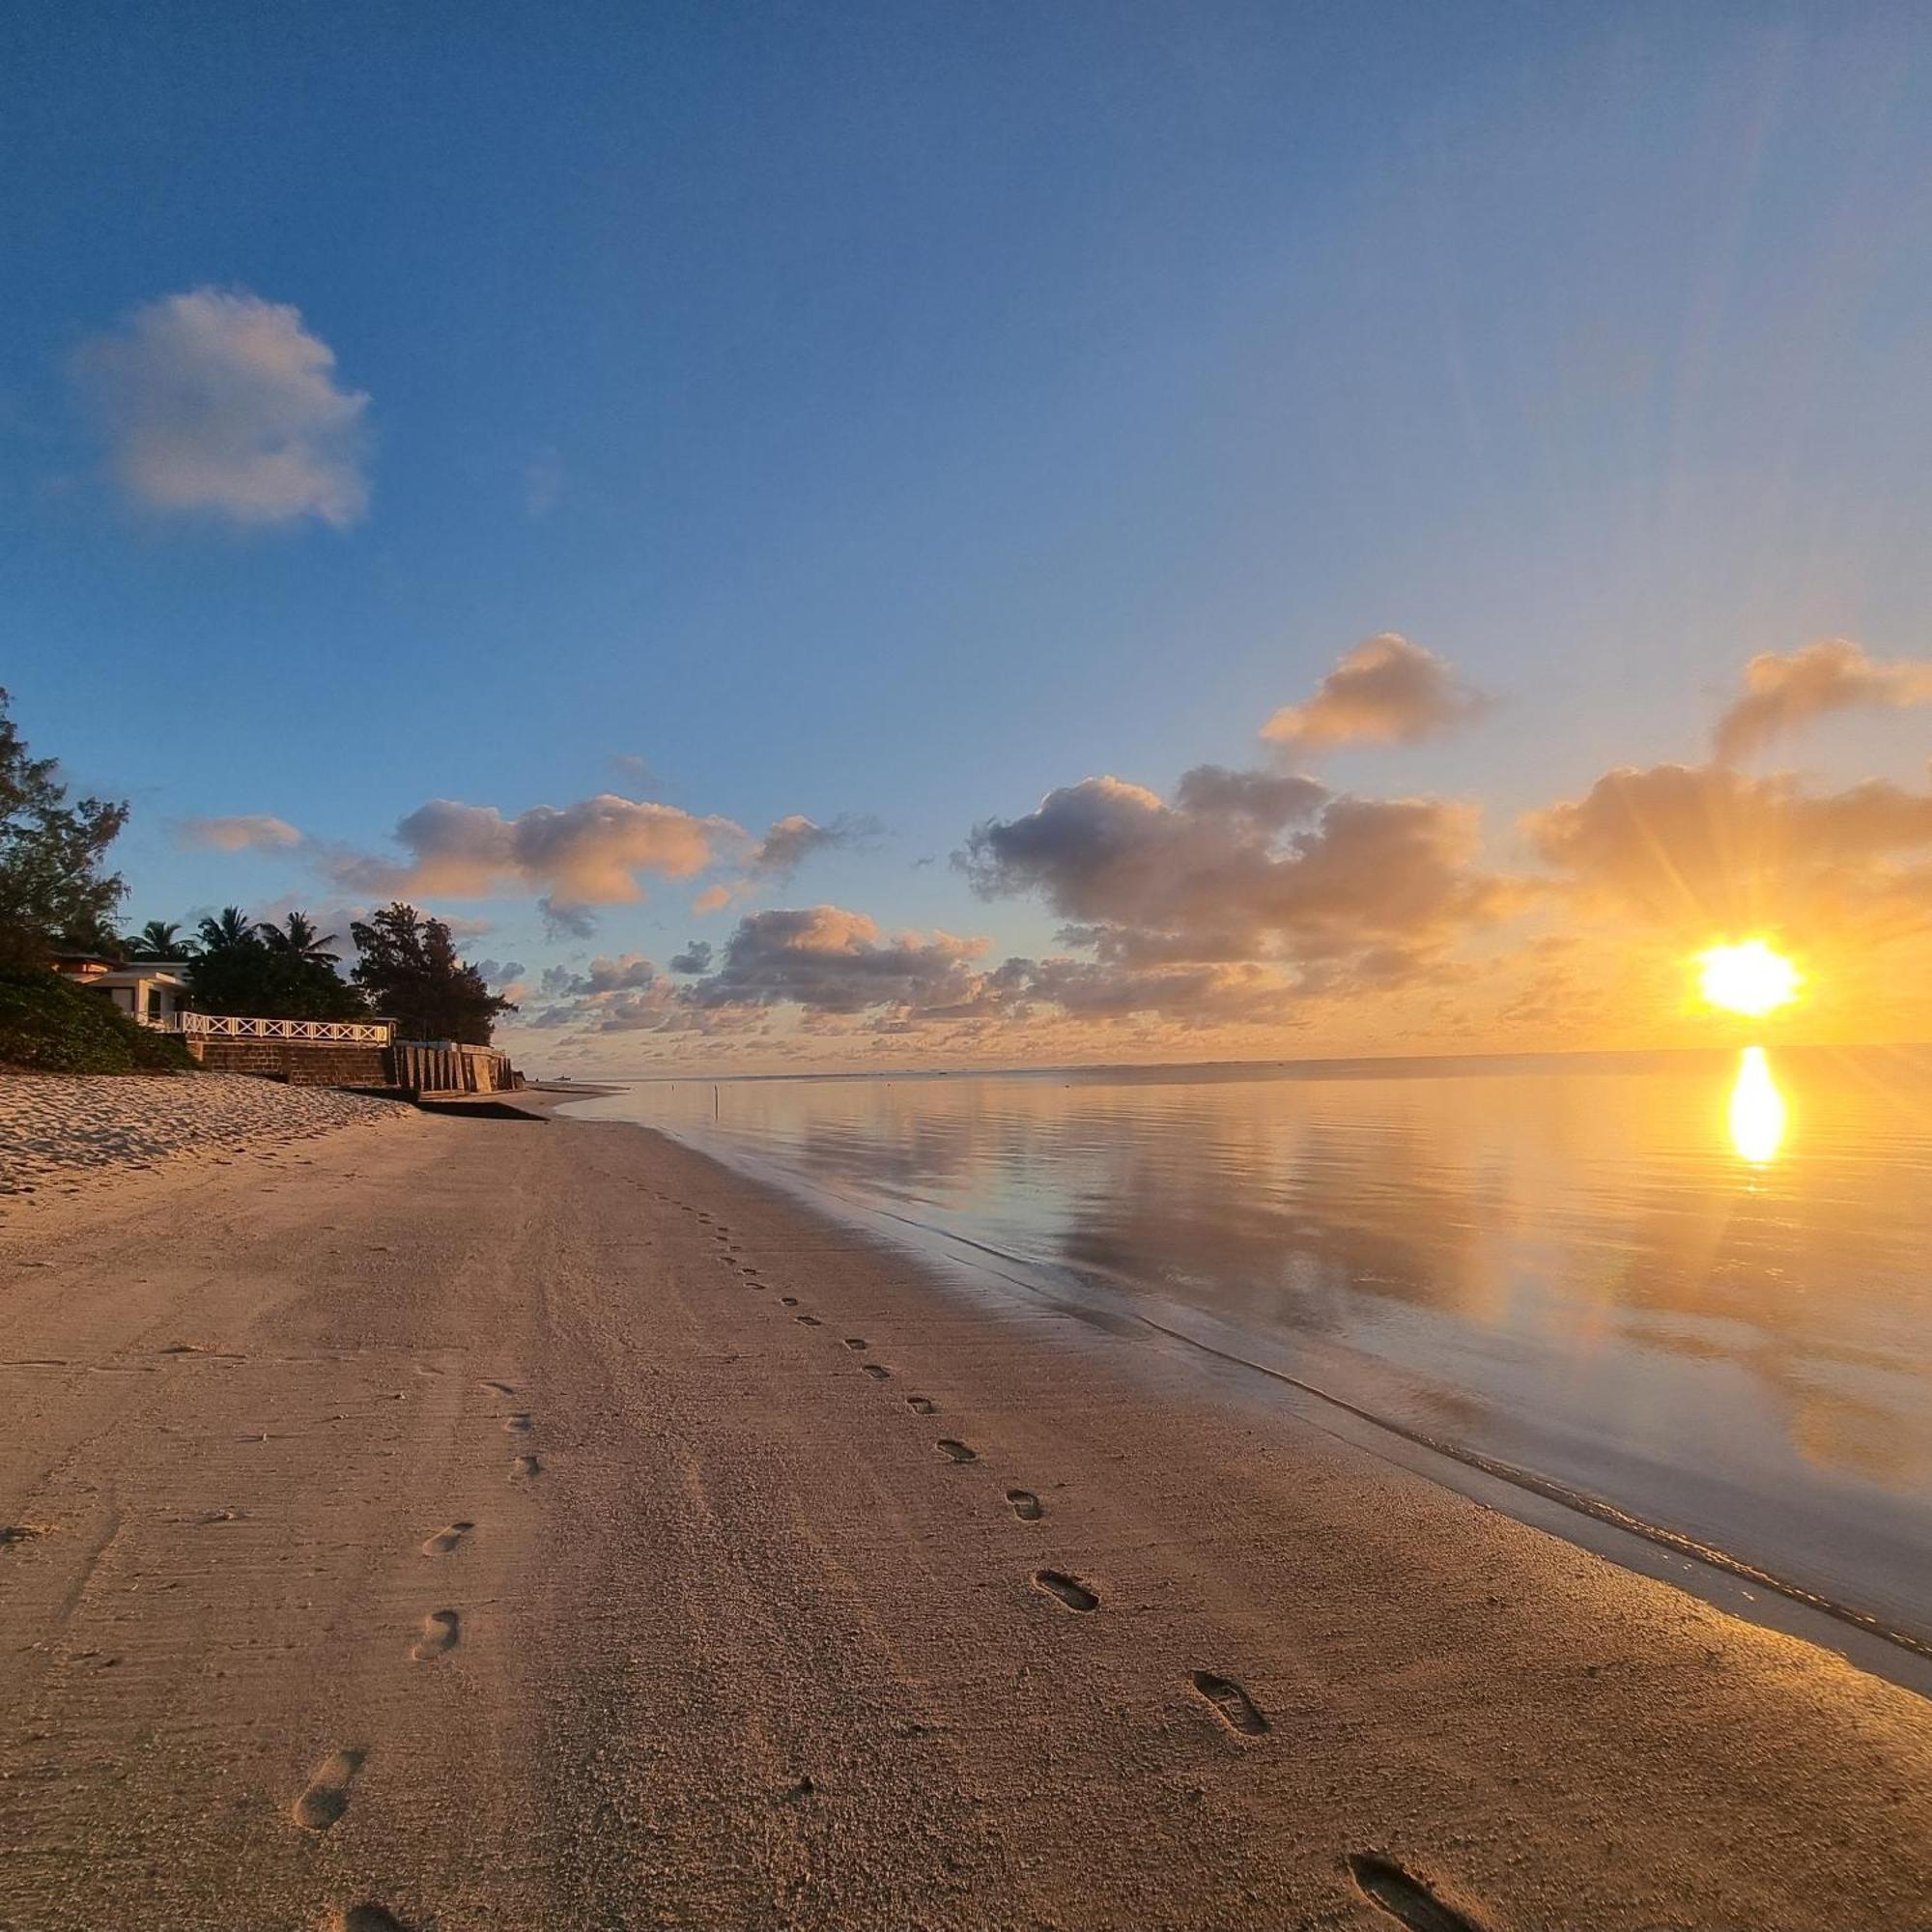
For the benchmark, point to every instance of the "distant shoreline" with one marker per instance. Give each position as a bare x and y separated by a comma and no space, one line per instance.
1619,1060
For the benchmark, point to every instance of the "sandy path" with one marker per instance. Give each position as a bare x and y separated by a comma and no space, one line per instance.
292,1630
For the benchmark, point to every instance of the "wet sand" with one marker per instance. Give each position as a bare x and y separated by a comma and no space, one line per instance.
488,1523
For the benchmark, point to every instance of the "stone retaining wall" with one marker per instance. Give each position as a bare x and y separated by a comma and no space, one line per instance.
301,1062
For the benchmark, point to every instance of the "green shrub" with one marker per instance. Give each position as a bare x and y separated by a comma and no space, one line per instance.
50,1025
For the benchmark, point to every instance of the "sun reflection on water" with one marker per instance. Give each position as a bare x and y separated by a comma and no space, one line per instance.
1758,1113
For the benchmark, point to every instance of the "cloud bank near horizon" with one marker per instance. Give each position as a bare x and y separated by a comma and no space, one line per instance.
1256,900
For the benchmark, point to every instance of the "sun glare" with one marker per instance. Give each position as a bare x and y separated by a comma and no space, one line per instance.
1758,1112
1747,979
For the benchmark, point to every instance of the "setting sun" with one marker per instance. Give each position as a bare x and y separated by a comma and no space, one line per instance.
1747,979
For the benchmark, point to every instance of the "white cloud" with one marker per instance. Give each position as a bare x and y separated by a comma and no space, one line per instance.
216,401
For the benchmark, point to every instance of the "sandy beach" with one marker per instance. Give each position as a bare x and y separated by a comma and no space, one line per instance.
444,1523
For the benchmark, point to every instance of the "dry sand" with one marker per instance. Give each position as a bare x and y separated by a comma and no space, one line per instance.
479,1523
60,1133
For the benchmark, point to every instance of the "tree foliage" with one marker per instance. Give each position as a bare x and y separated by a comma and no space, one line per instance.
50,1025
230,926
268,972
411,972
54,890
159,939
297,939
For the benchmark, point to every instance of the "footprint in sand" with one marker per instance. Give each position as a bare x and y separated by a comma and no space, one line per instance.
922,1404
326,1797
857,1343
1064,1589
365,1919
789,1300
957,1452
810,1320
873,1369
440,1632
1405,1899
446,1539
1027,1506
517,1424
1232,1704
525,1465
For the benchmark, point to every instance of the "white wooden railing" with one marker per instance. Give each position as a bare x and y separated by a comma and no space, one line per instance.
334,1032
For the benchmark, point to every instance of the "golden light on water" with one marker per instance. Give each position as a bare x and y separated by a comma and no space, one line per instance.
1758,1113
1747,977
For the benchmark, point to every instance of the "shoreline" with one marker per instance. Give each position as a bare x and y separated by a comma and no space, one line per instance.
747,1646
1705,1570
1715,1575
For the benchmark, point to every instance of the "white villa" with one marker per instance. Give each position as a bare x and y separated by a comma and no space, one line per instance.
151,992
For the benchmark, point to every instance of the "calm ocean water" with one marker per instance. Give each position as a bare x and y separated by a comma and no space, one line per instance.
1697,1288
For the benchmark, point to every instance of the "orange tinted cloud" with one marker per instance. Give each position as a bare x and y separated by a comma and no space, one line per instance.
591,853
249,832
1384,692
1699,849
1784,691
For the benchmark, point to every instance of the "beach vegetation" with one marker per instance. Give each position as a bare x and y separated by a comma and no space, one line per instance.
56,893
51,1025
271,972
231,926
296,938
411,972
159,939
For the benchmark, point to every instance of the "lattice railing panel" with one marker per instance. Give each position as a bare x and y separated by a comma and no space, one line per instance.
321,1032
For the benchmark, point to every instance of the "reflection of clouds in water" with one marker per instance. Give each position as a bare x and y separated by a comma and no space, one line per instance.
1576,1233
1888,1442
1290,1226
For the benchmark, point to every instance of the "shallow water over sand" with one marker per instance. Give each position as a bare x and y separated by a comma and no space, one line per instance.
1696,1288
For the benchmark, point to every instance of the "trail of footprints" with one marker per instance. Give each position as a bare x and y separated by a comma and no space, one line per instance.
1398,1894
325,1799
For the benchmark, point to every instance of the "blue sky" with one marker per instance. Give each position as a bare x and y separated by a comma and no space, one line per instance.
904,410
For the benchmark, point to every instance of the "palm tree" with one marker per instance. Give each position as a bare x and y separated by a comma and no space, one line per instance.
159,939
231,928
299,940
